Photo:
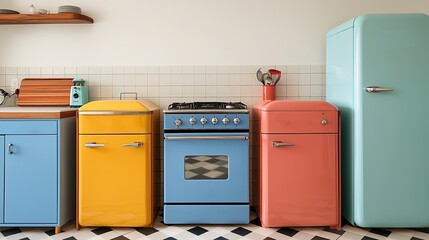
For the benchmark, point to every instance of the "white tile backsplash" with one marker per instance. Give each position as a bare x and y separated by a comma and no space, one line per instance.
106,92
106,80
152,91
304,79
199,91
106,70
116,90
317,68
304,91
94,70
46,71
67,70
141,92
164,91
211,69
81,70
119,70
291,79
3,80
59,71
188,91
234,69
199,79
292,68
130,80
316,78
94,81
23,70
304,69
222,69
199,69
188,79
130,70
176,79
222,79
292,91
188,69
176,70
165,69
11,70
316,91
153,69
153,80
211,79
141,70
118,80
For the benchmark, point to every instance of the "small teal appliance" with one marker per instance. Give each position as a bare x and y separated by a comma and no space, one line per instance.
78,93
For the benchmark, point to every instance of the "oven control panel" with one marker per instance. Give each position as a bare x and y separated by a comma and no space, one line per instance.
206,121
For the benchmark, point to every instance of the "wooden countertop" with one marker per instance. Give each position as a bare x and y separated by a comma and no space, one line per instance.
37,112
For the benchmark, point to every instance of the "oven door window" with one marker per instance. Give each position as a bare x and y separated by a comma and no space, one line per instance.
208,167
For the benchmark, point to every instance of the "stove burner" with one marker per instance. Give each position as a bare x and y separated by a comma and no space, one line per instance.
207,105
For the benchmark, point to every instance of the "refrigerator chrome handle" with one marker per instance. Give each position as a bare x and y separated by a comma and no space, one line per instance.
281,144
94,145
9,148
135,144
372,89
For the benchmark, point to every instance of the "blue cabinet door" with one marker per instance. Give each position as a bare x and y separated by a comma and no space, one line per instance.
30,194
1,177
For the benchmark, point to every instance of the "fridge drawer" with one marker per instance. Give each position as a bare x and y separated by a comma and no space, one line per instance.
299,122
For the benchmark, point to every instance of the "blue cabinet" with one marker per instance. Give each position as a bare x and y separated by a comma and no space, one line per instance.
37,173
30,188
1,177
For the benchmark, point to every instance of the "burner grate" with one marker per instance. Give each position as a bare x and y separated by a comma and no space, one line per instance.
206,105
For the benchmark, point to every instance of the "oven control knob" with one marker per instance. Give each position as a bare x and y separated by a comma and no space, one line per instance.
203,120
214,121
192,121
236,121
177,122
225,120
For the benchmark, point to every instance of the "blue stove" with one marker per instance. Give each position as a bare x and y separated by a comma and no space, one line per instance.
206,163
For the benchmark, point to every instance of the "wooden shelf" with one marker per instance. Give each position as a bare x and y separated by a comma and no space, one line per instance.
44,18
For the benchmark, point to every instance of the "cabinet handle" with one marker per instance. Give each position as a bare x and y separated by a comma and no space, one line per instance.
282,144
94,145
135,144
9,148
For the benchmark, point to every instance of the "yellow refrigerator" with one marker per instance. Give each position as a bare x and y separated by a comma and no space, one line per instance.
116,165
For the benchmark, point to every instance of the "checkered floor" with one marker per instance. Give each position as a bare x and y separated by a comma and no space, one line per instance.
252,231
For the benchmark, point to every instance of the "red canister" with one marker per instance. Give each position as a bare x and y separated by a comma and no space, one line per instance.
268,92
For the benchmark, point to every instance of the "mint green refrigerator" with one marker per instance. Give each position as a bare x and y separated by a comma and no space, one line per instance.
377,73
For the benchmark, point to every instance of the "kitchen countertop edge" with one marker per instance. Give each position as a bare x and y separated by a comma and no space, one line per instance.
37,112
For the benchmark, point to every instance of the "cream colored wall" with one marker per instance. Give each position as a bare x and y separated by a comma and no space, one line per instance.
185,32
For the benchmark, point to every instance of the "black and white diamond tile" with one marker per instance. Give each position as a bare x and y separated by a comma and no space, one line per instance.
251,231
